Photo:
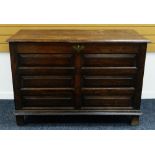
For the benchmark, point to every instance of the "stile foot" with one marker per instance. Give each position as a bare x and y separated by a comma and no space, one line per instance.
20,120
135,120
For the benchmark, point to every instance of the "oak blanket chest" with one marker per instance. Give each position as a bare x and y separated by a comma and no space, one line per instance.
77,72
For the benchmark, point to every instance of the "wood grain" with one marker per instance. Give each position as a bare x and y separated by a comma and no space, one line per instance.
77,36
77,76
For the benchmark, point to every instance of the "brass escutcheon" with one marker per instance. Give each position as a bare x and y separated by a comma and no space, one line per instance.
78,48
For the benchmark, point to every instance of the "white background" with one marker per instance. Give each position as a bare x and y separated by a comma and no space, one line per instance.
77,143
79,12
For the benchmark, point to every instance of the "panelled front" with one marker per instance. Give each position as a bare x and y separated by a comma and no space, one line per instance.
46,75
109,76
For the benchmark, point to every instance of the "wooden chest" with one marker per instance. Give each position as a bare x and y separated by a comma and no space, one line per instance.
77,72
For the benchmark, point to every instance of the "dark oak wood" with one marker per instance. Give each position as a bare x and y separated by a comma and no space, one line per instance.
58,60
44,70
109,60
135,120
107,101
107,81
77,80
109,71
83,111
20,119
47,101
77,72
46,81
77,36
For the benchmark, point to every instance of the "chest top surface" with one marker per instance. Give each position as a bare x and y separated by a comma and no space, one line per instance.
71,36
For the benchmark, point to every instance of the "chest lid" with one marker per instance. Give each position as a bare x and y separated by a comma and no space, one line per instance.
78,36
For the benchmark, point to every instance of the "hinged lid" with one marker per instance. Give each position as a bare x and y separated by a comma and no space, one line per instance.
77,36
